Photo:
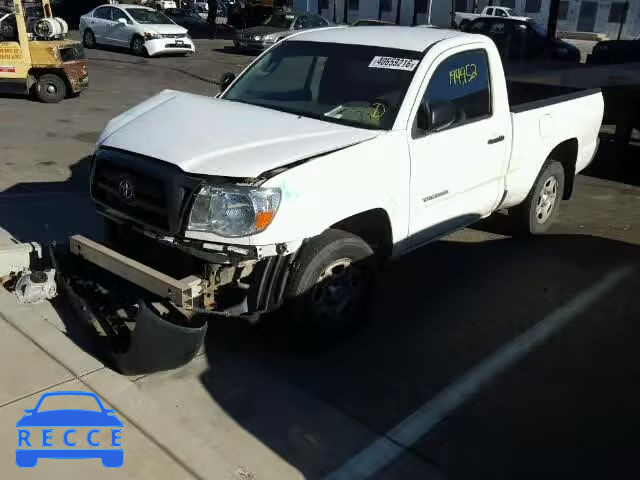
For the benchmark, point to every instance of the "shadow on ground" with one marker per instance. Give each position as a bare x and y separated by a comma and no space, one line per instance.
612,164
436,314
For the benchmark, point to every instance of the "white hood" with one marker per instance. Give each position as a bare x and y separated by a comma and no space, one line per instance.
209,136
165,28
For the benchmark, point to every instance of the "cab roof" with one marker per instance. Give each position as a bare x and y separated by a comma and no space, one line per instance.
404,38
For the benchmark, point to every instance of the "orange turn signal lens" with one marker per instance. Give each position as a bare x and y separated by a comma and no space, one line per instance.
263,219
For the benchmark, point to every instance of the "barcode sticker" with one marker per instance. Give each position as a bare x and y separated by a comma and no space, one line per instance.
393,63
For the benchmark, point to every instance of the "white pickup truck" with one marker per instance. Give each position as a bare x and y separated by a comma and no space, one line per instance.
463,18
333,149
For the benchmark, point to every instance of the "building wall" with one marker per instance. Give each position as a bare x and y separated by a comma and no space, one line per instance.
441,13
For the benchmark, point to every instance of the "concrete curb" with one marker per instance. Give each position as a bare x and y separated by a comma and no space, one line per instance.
38,323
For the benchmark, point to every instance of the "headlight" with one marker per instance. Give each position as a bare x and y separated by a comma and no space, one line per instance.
257,38
151,35
270,38
234,211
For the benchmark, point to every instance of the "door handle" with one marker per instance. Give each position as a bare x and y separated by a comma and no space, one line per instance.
496,140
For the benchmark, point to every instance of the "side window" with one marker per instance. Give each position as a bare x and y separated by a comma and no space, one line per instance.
301,22
103,13
461,82
316,21
116,14
500,13
490,11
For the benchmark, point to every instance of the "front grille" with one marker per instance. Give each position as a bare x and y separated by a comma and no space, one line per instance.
175,35
145,190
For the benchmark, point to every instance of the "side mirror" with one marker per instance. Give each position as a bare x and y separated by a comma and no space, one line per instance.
123,21
442,116
226,79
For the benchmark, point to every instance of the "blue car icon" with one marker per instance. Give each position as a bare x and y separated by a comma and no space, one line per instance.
101,417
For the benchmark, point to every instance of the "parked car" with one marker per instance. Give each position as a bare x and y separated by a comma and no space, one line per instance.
365,144
523,40
615,51
370,22
164,4
193,22
142,29
275,28
463,18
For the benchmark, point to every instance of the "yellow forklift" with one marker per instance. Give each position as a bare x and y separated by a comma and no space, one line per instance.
35,57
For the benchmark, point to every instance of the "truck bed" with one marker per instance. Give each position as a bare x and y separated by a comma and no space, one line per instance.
526,96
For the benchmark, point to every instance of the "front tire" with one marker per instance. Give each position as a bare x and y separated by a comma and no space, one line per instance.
538,211
328,288
89,39
137,46
50,88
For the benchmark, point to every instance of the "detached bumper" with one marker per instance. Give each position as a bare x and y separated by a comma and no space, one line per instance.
169,45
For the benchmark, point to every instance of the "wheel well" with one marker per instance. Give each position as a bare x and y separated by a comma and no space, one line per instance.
34,73
567,154
373,226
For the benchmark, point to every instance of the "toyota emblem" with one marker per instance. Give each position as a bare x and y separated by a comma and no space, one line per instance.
126,190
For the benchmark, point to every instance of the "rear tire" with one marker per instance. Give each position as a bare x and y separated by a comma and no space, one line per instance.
50,88
538,211
463,25
327,291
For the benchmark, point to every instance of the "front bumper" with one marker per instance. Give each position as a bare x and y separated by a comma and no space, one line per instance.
77,74
246,44
169,45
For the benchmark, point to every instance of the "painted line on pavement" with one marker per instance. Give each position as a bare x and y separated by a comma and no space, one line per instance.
386,449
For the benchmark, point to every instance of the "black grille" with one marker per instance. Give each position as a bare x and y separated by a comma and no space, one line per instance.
157,194
175,35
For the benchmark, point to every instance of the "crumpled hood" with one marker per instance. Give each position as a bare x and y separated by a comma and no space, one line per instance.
210,136
165,29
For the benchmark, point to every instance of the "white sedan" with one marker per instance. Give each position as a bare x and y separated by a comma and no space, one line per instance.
142,29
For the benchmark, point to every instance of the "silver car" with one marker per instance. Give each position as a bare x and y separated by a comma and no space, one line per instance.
275,28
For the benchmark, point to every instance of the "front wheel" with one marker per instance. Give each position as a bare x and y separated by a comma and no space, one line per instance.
137,46
50,88
538,211
327,290
89,39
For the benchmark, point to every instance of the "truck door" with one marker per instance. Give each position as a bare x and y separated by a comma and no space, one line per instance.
456,167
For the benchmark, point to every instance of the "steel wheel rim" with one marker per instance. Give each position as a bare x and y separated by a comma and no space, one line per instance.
138,46
547,199
334,290
51,89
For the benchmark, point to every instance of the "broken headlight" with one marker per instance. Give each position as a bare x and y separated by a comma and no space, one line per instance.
233,211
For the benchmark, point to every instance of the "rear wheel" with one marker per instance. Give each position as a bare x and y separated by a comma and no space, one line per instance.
137,46
50,88
89,39
327,291
464,24
538,211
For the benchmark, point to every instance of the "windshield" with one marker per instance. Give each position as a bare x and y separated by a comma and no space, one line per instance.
279,20
148,17
354,85
512,13
539,29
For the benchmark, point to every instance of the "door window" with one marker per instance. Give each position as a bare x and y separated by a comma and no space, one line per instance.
117,14
301,22
489,11
103,13
316,21
462,81
501,13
